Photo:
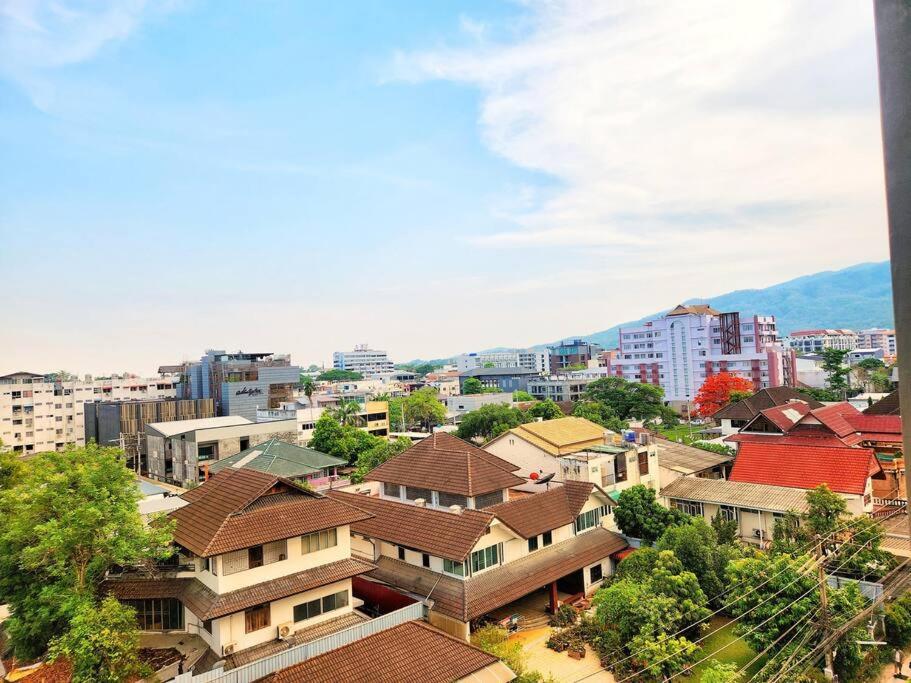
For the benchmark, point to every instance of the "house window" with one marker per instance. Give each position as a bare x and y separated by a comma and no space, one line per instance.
690,507
532,544
643,463
401,553
484,558
207,625
313,608
454,568
256,618
319,541
488,499
255,556
413,493
547,538
596,573
392,490
588,520
425,559
447,499
620,468
158,614
728,512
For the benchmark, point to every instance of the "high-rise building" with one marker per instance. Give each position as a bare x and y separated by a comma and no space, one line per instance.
240,383
574,352
47,412
679,350
878,338
362,359
816,341
529,359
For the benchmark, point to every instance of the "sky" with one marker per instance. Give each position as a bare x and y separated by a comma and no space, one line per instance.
428,178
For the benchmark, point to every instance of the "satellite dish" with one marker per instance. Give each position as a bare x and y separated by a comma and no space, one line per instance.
546,478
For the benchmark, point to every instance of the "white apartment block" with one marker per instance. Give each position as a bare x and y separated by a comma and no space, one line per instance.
363,360
679,350
816,341
513,358
39,414
878,338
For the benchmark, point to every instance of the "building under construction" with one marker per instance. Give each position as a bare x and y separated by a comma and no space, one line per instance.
122,423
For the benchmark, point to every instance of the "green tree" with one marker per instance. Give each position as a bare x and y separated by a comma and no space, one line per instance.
424,408
396,414
628,400
308,386
495,640
346,413
522,396
341,441
725,529
489,421
638,565
10,468
870,364
862,552
377,454
640,515
547,410
833,364
720,672
697,547
600,414
472,385
71,516
336,375
102,642
826,511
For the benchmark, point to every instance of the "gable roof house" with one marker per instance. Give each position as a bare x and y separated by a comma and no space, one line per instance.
735,416
260,562
284,460
467,560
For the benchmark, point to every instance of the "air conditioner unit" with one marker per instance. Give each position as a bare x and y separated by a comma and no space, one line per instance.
228,649
284,630
757,533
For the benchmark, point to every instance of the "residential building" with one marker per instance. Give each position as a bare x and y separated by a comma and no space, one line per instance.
734,416
180,452
503,379
559,388
815,341
574,352
413,651
477,558
123,422
678,460
679,350
608,357
288,461
879,338
856,355
529,359
458,405
755,507
372,417
362,359
259,563
238,382
47,412
810,371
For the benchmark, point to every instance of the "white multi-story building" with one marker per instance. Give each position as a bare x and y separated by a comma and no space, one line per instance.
815,341
528,359
363,360
878,338
679,350
44,413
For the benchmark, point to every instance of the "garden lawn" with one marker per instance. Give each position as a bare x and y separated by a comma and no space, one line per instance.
682,432
727,647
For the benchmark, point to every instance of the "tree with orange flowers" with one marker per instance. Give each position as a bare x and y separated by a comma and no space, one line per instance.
719,390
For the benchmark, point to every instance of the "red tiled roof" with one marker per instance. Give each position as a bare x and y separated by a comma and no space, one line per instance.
413,651
833,417
765,398
883,424
540,512
792,439
240,508
439,532
443,462
844,470
786,416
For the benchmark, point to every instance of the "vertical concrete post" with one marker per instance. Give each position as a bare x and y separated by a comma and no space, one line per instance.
893,40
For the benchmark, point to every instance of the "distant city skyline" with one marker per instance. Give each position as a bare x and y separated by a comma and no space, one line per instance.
429,179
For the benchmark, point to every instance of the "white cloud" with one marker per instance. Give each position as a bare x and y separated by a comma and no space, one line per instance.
718,128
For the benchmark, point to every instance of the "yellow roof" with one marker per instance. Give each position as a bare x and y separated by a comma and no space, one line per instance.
559,436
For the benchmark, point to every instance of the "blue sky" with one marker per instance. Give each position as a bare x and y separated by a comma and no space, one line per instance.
430,178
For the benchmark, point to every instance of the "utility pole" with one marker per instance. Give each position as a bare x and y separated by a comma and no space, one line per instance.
824,607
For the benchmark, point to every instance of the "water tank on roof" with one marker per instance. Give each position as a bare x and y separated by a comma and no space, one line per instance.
629,436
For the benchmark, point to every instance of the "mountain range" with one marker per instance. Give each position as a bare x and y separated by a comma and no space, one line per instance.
856,297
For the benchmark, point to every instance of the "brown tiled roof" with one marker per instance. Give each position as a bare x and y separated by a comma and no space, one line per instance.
478,595
239,508
443,462
438,532
206,604
751,406
535,514
413,651
887,405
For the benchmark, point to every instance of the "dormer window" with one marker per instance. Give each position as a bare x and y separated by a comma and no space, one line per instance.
392,490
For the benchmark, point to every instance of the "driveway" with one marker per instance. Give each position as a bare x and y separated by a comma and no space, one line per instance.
560,665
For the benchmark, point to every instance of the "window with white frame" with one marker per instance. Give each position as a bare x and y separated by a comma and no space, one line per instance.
728,513
690,507
588,520
484,558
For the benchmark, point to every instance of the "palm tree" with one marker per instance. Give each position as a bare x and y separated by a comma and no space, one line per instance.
347,413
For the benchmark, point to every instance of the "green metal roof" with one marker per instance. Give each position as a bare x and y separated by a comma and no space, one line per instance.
279,458
605,449
614,496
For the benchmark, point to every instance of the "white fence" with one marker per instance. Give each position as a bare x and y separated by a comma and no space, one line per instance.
868,589
300,653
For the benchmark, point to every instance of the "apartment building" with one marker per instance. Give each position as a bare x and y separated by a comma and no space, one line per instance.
529,359
559,388
815,341
372,417
445,523
180,452
502,379
238,382
47,412
679,350
879,338
259,562
573,352
362,359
